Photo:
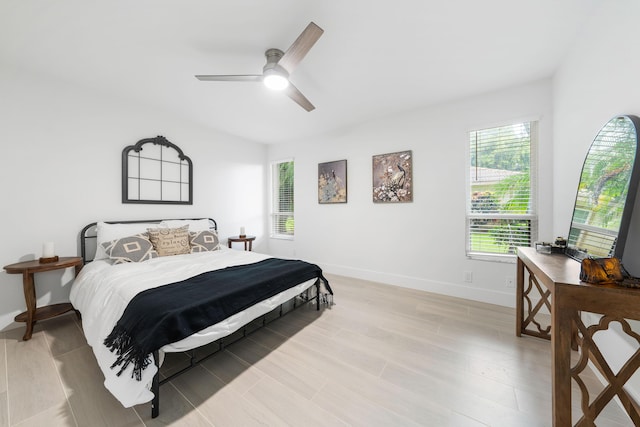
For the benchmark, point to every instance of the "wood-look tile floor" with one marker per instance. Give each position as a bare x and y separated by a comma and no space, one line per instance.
380,356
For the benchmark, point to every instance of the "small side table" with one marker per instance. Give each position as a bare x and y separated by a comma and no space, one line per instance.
246,239
28,269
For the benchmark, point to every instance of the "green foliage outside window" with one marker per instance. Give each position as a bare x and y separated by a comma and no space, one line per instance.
500,189
284,203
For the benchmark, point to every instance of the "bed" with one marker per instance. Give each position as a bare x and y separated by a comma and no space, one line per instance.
121,270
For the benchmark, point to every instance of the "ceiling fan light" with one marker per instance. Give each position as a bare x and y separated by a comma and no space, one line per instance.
275,81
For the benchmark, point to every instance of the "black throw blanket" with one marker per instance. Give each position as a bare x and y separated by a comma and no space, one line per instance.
169,313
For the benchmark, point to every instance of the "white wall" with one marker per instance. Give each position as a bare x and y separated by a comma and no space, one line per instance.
597,81
62,146
61,168
420,244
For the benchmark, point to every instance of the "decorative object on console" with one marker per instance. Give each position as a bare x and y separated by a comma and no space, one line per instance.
600,271
242,233
332,182
543,247
557,247
561,242
393,177
156,171
606,192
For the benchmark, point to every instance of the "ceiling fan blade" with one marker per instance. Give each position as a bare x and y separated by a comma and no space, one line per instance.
293,93
300,47
231,78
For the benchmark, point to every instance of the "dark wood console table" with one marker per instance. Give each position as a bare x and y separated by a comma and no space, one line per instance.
543,272
565,297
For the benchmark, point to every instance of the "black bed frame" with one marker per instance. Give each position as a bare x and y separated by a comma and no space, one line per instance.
194,361
88,243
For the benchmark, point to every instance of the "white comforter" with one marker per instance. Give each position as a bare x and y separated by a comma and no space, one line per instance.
102,291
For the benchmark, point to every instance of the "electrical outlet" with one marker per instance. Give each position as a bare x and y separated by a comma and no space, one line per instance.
510,282
468,276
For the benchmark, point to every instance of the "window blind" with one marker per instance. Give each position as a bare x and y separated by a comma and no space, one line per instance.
282,203
501,205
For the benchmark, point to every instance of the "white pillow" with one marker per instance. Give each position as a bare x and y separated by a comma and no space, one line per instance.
108,232
194,224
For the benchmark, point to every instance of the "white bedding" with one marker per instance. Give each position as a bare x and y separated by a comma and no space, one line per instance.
102,291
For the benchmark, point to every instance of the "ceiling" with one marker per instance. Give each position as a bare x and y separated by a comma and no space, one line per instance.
374,58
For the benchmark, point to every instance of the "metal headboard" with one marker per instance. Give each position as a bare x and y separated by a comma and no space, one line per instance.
89,236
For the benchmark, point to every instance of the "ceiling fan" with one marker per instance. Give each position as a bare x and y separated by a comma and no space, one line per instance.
275,73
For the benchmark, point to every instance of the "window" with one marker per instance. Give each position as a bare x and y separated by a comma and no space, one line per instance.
501,205
282,223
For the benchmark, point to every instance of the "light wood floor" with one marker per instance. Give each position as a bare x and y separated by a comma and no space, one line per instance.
380,356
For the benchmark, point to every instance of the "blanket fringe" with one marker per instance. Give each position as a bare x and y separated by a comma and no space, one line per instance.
120,342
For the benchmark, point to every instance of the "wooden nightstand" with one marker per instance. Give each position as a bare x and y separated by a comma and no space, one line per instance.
28,269
245,239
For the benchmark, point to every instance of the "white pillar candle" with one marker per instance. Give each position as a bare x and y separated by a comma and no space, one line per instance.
47,250
242,231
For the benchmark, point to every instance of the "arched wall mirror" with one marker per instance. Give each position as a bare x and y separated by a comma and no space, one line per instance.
156,171
606,192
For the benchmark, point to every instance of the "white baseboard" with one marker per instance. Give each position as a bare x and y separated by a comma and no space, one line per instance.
438,287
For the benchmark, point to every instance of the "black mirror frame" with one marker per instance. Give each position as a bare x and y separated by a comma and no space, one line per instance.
159,140
634,179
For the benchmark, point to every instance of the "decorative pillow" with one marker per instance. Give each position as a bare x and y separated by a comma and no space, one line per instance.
203,241
106,233
170,241
136,248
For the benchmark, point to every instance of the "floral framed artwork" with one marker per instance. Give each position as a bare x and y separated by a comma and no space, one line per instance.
393,177
332,182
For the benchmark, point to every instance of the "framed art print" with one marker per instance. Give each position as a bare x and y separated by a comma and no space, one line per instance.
332,182
393,177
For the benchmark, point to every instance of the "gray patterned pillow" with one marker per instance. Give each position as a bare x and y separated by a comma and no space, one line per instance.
136,248
170,241
203,241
